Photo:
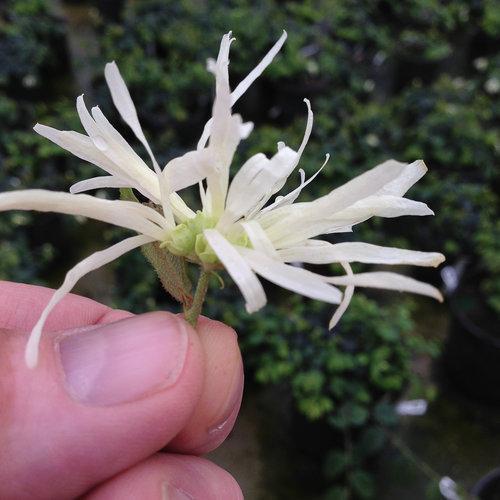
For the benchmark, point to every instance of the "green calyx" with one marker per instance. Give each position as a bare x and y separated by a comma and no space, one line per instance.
187,240
182,239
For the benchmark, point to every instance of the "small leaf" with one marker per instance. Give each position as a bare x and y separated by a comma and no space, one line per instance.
336,463
370,442
362,483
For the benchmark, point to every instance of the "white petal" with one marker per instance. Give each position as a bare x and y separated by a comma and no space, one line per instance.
84,267
123,101
222,146
382,206
244,85
293,224
78,144
188,169
89,124
346,299
322,252
238,269
293,195
308,130
122,151
121,98
107,181
245,189
391,177
257,180
126,214
179,208
221,112
202,142
111,143
246,129
259,239
292,278
83,147
125,105
408,176
388,281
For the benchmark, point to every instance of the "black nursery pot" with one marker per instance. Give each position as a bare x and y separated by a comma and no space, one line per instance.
471,355
488,487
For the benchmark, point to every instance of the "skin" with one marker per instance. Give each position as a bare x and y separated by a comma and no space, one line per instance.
55,447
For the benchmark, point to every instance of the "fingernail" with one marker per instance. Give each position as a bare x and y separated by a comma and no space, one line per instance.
231,406
170,492
123,361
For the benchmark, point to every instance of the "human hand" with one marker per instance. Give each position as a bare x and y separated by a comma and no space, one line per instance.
110,391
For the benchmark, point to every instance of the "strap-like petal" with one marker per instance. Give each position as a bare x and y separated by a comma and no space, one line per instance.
259,239
302,221
388,281
84,267
238,269
106,181
322,252
346,299
127,214
244,85
292,278
391,177
112,144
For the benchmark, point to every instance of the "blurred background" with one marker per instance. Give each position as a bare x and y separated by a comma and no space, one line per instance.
406,80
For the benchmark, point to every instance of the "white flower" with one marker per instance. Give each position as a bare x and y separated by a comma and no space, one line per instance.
237,228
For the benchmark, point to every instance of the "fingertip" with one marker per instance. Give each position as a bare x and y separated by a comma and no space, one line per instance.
216,412
172,477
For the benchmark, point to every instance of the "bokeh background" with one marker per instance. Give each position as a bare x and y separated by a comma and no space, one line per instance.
406,80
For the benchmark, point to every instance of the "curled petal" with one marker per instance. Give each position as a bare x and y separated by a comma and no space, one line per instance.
346,299
84,267
293,195
257,180
244,85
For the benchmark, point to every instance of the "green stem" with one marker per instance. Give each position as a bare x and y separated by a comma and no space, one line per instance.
191,314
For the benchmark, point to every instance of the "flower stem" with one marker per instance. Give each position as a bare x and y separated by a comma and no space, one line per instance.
191,314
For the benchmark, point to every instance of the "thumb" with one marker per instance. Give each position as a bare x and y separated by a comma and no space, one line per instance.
103,398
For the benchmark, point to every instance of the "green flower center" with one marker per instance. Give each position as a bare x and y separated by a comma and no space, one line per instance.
187,239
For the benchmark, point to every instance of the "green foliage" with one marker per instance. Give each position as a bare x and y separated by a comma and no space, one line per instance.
347,380
30,41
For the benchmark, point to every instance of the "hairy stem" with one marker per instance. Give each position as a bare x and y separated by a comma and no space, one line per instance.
191,314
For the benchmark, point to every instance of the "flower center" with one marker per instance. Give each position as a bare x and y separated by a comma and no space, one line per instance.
187,239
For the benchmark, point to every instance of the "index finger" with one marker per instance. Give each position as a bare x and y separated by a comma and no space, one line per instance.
21,306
